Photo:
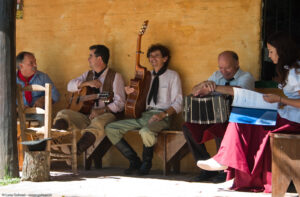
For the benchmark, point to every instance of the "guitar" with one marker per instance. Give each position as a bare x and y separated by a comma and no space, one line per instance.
84,100
136,101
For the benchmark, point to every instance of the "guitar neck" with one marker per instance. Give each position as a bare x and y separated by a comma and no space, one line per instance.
138,67
138,52
92,97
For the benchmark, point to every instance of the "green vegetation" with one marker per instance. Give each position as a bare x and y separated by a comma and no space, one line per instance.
8,180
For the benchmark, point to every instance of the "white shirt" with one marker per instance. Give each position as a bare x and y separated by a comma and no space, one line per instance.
118,88
169,92
291,90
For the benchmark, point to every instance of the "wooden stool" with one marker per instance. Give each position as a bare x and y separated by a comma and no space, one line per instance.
36,166
285,162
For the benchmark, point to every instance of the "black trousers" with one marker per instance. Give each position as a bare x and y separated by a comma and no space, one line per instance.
198,150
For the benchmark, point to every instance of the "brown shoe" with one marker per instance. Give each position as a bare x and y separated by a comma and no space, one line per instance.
61,124
87,140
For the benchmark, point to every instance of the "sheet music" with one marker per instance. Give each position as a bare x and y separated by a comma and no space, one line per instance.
251,99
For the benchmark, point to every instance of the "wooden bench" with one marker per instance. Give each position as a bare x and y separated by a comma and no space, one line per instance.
171,147
285,162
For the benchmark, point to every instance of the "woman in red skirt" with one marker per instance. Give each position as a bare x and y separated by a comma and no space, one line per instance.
245,150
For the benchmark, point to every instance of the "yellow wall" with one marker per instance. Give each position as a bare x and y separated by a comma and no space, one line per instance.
59,32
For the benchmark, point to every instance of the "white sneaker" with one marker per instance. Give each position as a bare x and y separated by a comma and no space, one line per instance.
211,165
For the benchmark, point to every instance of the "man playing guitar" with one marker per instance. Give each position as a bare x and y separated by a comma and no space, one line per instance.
99,79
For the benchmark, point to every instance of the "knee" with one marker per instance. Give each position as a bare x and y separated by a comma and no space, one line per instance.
149,138
64,112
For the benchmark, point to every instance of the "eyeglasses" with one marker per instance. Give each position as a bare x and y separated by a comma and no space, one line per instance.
155,56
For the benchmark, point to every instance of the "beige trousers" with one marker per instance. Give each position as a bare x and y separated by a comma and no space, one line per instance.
81,123
148,132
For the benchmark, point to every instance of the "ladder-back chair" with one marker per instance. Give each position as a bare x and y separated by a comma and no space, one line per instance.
45,131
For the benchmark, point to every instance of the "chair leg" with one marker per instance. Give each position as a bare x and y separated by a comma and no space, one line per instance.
296,178
280,182
87,163
74,153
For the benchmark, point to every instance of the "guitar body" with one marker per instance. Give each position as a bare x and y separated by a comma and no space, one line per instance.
136,101
84,107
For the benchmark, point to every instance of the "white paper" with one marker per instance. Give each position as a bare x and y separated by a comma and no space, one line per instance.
251,99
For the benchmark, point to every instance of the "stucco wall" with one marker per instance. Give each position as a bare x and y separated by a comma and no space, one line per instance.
59,32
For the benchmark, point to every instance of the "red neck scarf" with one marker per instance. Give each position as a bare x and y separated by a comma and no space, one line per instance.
28,94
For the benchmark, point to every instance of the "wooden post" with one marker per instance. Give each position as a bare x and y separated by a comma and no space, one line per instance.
8,130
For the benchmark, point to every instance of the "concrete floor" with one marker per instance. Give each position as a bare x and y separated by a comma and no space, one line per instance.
111,182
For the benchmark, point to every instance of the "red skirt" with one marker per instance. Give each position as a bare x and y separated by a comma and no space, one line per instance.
245,149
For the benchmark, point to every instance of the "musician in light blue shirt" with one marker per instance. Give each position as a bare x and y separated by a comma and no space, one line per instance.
240,79
229,73
27,74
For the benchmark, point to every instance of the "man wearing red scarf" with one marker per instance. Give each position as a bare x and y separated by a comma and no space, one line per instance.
28,74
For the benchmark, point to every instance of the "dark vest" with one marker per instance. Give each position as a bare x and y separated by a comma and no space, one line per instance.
107,86
108,81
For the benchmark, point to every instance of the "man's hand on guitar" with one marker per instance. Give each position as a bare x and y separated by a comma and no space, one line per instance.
40,102
93,83
129,90
96,112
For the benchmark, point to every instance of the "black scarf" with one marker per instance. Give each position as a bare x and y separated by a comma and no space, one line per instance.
155,84
96,76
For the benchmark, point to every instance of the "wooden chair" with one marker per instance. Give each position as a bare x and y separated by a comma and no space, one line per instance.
285,162
45,131
22,111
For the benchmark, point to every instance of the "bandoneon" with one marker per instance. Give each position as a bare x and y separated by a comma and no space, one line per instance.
206,110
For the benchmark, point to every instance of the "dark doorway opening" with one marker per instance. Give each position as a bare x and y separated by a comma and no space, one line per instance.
278,15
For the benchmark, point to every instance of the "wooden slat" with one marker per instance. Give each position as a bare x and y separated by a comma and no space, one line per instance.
171,132
34,110
285,136
58,145
48,112
59,159
34,88
61,155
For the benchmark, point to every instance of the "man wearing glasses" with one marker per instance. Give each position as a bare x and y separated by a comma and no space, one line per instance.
164,99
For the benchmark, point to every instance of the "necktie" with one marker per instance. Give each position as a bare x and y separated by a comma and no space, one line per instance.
230,98
228,82
155,84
